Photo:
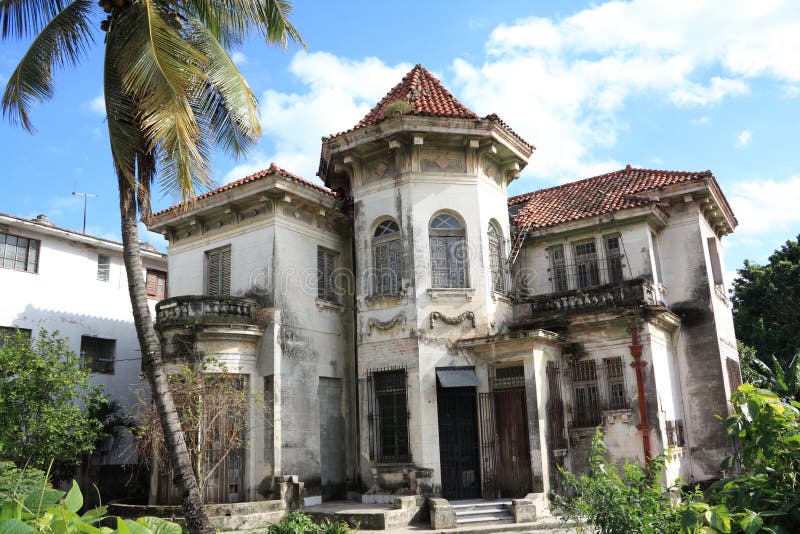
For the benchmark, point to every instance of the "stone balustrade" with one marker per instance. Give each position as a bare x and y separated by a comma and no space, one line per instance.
186,310
630,293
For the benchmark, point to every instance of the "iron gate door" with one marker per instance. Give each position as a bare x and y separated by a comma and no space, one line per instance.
458,443
513,470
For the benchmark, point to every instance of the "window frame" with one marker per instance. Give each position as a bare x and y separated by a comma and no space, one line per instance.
326,275
222,257
615,383
10,331
161,289
444,246
613,259
104,365
389,389
559,278
497,271
585,385
103,268
587,269
32,247
387,260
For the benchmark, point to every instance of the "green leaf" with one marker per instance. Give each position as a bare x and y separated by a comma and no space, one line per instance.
74,499
688,521
751,523
160,526
14,526
720,518
122,526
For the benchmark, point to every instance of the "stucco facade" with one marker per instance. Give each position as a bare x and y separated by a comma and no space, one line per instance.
418,332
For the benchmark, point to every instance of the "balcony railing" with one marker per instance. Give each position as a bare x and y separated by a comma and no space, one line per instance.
586,274
627,293
186,310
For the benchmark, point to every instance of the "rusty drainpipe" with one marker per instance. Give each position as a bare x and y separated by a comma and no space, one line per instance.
638,366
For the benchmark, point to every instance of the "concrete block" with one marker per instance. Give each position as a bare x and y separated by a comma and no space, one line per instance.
442,514
523,510
408,501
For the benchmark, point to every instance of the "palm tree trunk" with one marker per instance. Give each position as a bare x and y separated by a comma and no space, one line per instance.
196,518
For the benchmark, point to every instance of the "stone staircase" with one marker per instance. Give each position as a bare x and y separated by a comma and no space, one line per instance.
480,512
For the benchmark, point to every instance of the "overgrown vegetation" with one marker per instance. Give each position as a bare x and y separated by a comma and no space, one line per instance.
31,505
42,387
300,523
759,492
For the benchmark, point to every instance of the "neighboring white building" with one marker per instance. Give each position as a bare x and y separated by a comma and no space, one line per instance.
74,283
410,346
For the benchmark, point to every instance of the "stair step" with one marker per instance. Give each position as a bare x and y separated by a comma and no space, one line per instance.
481,510
469,504
487,518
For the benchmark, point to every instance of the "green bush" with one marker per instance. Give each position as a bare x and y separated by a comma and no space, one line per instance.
14,480
613,503
300,523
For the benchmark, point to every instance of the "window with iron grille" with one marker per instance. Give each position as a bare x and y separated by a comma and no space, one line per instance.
586,270
156,284
556,414
448,252
218,271
496,264
675,436
19,253
734,374
98,354
558,268
387,258
613,258
326,271
10,331
586,401
103,267
388,415
506,377
615,377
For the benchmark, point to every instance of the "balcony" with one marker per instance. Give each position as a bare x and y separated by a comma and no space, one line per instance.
623,294
188,310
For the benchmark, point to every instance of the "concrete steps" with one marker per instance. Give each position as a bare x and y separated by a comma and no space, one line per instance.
480,512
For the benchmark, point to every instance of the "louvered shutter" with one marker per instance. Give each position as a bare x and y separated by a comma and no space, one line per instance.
225,272
152,284
219,271
320,273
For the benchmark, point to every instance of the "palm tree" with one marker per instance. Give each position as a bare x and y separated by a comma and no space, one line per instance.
171,94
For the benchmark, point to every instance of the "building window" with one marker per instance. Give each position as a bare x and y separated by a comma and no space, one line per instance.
98,354
103,267
716,262
586,271
388,415
496,263
448,252
19,253
613,258
615,377
326,275
218,271
557,425
387,258
734,374
675,435
156,284
586,402
7,332
558,268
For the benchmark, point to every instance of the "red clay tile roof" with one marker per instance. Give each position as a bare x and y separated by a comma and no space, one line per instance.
602,194
425,93
269,171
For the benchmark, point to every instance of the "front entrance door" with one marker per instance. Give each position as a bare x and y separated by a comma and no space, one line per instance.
458,442
513,447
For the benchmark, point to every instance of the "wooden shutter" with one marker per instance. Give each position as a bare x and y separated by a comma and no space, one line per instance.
326,264
151,284
219,271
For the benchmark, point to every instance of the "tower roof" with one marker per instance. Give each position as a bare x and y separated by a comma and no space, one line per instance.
424,93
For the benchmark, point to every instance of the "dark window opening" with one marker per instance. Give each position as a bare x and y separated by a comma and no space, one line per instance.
675,435
558,268
19,253
103,267
586,270
98,354
7,332
326,271
448,252
387,258
388,416
613,258
586,402
616,384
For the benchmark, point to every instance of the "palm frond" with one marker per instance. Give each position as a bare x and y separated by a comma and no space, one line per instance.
161,71
63,41
22,18
226,101
230,20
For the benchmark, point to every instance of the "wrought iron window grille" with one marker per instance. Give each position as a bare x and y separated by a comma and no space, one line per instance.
387,397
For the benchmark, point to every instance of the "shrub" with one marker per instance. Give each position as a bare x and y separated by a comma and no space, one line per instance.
300,523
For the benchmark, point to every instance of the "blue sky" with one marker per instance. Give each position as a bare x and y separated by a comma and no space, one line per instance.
672,85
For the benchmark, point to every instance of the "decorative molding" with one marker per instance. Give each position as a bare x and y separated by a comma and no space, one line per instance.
465,292
399,319
458,319
323,304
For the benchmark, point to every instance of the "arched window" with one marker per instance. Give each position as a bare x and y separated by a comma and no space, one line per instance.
448,252
387,258
496,258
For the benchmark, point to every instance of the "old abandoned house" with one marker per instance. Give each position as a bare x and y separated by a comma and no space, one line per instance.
418,332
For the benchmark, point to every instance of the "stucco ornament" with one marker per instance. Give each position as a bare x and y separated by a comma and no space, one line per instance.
399,319
458,319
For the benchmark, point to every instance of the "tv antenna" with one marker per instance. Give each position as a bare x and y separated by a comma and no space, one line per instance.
85,196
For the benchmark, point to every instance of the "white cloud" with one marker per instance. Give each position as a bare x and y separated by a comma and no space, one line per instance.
744,138
239,58
765,205
97,104
699,121
338,93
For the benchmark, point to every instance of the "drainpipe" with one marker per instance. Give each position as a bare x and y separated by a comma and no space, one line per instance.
638,366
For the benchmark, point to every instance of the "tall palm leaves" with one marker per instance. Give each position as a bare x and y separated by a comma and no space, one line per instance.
171,94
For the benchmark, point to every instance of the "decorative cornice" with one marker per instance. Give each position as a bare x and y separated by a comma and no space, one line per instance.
458,319
400,318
